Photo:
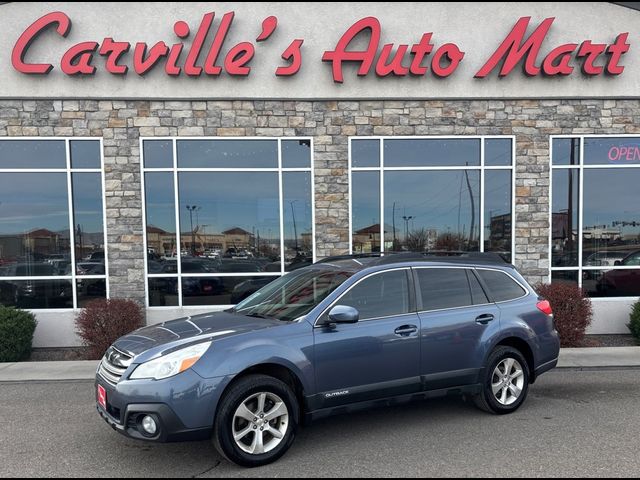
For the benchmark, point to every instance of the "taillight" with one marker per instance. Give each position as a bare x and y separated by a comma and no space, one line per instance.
545,307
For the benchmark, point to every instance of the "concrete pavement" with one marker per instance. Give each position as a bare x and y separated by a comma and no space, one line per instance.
572,358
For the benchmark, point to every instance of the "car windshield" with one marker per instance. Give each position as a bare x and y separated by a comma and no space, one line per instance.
293,295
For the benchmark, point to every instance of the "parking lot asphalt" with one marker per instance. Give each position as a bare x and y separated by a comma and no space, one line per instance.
574,423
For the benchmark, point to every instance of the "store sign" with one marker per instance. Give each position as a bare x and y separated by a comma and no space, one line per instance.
624,154
419,59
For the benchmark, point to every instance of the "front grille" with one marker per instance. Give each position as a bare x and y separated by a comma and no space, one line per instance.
113,365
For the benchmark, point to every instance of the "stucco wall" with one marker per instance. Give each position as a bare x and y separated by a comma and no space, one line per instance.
477,28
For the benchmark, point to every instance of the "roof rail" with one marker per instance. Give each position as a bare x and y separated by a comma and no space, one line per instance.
489,258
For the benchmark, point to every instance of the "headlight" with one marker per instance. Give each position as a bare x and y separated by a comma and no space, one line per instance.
172,364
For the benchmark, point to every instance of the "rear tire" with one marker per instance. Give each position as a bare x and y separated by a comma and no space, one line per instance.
505,383
256,422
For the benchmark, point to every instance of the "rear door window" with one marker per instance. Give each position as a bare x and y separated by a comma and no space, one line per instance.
443,288
501,286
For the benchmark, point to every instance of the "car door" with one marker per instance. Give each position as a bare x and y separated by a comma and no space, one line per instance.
456,316
377,357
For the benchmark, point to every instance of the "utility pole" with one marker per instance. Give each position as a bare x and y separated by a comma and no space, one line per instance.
393,226
192,209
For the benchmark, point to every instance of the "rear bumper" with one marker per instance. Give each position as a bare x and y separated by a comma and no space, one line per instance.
170,428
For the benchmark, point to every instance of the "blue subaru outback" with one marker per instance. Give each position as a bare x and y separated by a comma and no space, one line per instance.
344,334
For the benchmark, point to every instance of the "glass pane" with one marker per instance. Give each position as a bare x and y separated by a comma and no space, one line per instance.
566,151
158,153
88,223
365,211
85,154
34,224
432,210
298,233
432,153
33,154
379,296
497,152
163,292
444,288
90,289
565,225
612,151
227,154
501,286
220,290
296,154
570,277
365,153
611,283
611,214
477,293
498,212
36,294
161,218
223,212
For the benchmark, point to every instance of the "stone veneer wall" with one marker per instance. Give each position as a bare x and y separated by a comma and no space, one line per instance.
122,123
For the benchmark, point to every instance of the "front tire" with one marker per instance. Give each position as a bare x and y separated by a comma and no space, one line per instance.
505,383
257,421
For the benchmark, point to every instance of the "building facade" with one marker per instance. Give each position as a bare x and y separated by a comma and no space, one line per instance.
181,157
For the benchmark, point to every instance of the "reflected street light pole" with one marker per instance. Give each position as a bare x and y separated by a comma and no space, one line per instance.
192,208
295,229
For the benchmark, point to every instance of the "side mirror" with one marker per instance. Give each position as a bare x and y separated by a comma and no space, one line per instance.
343,314
618,263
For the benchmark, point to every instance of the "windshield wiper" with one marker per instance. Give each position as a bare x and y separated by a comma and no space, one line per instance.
257,315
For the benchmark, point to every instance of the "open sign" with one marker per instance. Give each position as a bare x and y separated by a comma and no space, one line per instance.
624,153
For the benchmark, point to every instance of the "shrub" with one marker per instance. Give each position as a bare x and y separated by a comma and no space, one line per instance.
634,325
16,334
571,309
102,322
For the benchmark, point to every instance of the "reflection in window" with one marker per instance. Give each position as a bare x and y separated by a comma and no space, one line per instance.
607,246
240,228
34,224
432,152
365,153
227,154
566,151
611,216
565,226
497,212
365,211
432,196
38,227
432,210
378,296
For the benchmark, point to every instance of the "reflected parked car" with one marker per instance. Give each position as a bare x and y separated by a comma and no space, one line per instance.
621,283
249,287
604,259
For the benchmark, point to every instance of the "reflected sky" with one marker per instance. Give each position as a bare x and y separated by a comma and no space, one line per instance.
31,201
612,195
437,200
248,200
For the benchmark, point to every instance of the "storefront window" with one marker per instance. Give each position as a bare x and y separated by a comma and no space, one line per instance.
244,210
429,195
596,215
52,235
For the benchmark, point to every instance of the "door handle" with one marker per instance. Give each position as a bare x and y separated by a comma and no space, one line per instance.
405,330
485,319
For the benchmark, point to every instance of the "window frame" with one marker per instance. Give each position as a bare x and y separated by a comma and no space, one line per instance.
581,167
175,171
482,168
69,171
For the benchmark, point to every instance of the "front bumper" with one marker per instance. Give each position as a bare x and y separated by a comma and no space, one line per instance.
170,428
183,406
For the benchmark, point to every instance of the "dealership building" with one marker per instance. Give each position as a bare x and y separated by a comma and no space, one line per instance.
185,154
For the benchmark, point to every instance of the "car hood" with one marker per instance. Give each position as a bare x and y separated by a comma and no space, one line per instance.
183,331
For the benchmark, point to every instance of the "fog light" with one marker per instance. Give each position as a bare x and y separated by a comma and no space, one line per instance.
149,425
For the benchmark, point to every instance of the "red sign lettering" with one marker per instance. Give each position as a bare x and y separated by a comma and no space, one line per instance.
624,153
388,60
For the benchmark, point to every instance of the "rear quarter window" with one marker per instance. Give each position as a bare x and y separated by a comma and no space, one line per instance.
501,286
